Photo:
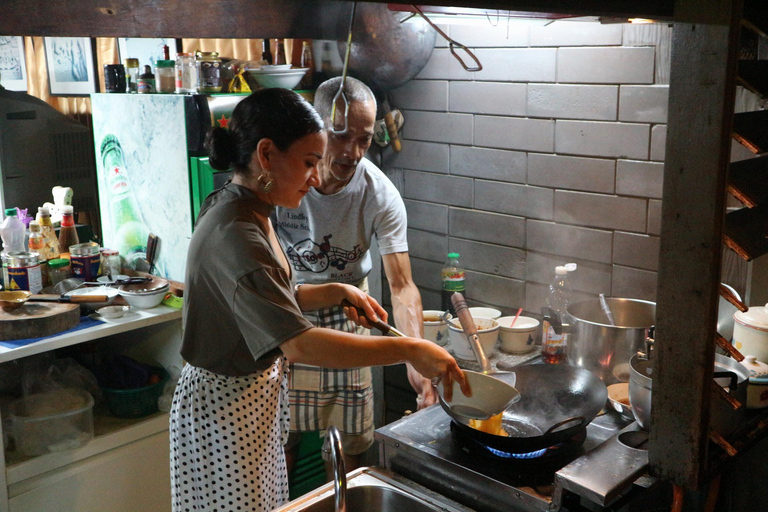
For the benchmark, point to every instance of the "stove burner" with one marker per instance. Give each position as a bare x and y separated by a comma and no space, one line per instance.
471,445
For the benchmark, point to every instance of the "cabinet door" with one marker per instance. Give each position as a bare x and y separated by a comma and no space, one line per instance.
130,478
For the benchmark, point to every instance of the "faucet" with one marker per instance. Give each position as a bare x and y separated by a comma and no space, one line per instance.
332,446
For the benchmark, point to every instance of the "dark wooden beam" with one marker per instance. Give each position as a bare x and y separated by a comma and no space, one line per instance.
314,19
701,99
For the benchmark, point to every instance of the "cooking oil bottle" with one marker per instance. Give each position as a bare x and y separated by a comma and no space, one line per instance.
553,344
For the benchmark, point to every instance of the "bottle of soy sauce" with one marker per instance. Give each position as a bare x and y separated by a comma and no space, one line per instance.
453,281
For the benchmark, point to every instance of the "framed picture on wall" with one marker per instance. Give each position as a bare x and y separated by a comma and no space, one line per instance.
71,70
13,68
147,50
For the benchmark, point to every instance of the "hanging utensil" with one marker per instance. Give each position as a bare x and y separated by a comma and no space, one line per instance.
151,251
452,45
340,94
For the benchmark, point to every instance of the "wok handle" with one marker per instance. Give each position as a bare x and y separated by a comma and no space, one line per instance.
470,330
554,428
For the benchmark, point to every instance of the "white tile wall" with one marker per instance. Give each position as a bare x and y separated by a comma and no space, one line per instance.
552,153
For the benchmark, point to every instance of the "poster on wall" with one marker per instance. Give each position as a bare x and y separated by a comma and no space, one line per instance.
143,179
70,64
13,69
147,50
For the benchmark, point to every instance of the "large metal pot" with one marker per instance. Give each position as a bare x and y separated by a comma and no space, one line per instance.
605,349
723,418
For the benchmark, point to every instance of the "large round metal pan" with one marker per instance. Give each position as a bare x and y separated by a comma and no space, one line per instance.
556,402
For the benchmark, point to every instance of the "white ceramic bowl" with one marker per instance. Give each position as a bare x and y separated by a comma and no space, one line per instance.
488,331
435,328
485,312
490,396
284,79
145,300
106,280
268,68
519,339
110,292
112,312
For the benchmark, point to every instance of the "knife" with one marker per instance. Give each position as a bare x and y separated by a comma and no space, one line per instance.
42,297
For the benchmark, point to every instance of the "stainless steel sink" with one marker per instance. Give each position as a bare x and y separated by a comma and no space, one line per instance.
376,490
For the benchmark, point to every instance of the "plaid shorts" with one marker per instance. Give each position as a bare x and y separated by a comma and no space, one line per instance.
320,397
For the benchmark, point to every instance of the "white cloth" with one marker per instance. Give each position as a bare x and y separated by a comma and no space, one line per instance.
327,238
227,437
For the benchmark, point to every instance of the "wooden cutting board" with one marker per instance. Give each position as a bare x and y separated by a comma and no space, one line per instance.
38,319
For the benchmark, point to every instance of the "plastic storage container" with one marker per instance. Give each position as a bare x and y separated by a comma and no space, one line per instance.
165,76
59,270
52,422
136,402
186,73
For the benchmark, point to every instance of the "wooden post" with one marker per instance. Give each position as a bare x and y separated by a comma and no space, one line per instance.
701,101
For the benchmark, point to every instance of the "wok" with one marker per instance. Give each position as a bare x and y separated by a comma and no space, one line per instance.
557,402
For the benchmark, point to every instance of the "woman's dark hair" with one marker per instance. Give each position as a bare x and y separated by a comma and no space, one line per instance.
277,114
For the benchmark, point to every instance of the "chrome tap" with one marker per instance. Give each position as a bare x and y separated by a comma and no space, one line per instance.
332,447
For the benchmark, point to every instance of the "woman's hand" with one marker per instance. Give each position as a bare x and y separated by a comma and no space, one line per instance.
433,361
362,300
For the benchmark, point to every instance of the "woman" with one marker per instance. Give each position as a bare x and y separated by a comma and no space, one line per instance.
242,317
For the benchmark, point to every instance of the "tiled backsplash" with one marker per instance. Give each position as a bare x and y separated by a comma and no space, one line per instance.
552,153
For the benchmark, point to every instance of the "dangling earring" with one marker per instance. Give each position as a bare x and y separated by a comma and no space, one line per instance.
266,183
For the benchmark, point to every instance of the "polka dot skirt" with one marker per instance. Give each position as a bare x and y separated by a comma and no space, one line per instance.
227,437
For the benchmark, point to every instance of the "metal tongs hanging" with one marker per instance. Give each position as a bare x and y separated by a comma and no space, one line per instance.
340,93
452,44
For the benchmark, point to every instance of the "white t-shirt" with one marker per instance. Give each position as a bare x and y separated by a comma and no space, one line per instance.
327,238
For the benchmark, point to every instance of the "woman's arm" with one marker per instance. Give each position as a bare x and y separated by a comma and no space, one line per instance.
335,349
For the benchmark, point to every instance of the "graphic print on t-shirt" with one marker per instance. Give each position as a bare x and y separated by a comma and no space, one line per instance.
308,255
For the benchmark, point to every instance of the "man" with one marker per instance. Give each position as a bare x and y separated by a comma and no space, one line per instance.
327,239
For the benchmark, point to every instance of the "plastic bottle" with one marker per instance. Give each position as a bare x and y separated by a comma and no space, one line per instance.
308,62
280,57
49,234
132,74
36,244
326,69
130,231
453,281
68,233
553,345
12,231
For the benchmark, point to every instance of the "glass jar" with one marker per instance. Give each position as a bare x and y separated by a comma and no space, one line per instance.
110,263
114,78
186,73
208,72
59,270
131,74
165,76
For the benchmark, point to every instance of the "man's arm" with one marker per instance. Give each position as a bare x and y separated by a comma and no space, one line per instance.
407,311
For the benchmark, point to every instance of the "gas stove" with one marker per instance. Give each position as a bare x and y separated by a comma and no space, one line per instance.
597,466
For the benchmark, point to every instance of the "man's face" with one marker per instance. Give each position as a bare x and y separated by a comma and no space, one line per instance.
344,151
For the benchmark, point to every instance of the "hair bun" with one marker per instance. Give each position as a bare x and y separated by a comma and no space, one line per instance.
220,147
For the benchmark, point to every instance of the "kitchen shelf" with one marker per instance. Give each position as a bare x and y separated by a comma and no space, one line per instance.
748,181
749,130
753,74
109,433
134,319
745,232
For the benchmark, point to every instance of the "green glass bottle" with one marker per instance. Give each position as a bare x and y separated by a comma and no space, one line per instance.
130,230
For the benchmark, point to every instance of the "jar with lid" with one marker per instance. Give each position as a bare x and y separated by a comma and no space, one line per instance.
165,76
110,263
85,260
114,78
208,72
59,270
186,73
131,74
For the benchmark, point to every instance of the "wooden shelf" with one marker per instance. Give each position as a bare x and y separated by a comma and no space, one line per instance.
753,74
134,319
749,130
745,232
109,433
748,181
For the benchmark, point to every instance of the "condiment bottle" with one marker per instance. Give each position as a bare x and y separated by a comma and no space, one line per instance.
326,68
12,231
146,81
68,233
165,76
36,243
553,344
308,62
132,74
453,281
186,73
49,235
280,52
266,54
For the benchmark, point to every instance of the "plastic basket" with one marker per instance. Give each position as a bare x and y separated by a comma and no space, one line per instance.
137,402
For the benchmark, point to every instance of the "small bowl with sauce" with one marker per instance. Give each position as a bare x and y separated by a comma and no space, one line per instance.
618,395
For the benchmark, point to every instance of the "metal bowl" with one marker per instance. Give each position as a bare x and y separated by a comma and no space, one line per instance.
10,300
618,396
